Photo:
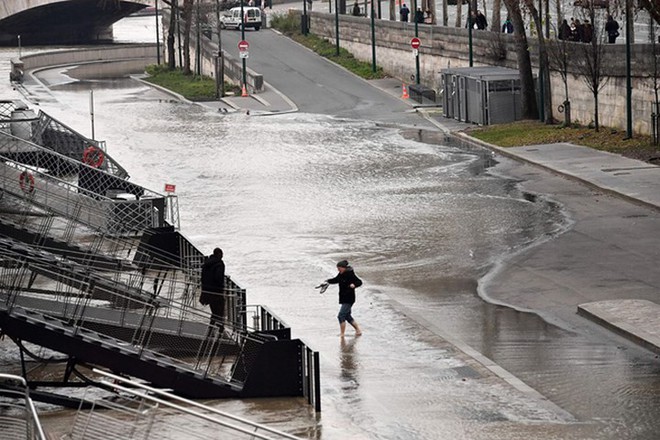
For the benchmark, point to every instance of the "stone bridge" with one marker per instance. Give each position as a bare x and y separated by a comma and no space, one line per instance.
61,21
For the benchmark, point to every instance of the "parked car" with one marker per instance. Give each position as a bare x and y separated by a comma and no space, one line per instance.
251,18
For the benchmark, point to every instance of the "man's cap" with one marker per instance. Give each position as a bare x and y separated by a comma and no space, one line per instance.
342,263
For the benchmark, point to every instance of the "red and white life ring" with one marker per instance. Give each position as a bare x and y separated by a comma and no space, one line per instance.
93,156
26,182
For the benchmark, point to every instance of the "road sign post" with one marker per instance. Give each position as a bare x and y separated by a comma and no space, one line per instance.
415,43
243,47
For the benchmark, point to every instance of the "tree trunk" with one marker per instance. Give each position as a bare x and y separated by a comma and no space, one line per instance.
596,123
445,12
393,10
170,36
187,16
528,96
496,19
459,12
543,61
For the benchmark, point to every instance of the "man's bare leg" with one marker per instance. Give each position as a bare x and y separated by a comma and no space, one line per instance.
342,329
355,325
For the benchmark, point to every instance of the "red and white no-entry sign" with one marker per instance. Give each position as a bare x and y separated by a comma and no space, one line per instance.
415,43
243,46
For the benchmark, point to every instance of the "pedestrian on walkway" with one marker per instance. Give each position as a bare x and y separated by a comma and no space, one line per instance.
588,32
564,30
213,286
404,12
348,282
482,23
419,15
612,29
507,27
356,9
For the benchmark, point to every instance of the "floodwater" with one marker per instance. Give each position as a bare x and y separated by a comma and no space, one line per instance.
421,219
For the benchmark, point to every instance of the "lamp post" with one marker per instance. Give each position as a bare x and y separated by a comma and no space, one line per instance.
243,39
220,66
541,81
416,35
303,21
629,132
198,45
157,37
337,27
470,27
373,39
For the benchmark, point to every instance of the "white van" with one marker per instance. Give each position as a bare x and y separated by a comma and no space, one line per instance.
251,18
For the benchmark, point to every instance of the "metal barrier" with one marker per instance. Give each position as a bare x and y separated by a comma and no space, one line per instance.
18,418
140,409
311,380
180,335
69,200
44,130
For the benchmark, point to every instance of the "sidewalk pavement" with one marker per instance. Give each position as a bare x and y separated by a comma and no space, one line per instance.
268,102
636,181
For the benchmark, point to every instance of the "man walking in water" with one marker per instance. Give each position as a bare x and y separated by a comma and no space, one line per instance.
347,281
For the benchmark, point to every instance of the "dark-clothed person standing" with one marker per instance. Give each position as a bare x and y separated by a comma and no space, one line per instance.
347,281
564,31
612,29
213,286
404,12
482,23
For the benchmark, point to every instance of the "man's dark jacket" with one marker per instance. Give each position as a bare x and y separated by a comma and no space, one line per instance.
213,279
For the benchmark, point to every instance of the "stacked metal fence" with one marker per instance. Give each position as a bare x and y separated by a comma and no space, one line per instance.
136,319
18,418
44,130
140,411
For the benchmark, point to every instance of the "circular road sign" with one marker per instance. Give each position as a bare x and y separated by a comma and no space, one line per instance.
243,46
415,43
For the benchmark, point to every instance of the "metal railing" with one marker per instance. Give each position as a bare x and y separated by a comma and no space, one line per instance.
18,417
180,336
34,173
44,130
140,411
104,214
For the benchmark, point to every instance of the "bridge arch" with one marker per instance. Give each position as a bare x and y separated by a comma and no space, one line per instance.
61,22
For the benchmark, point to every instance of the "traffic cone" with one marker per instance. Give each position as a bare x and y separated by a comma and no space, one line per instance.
404,94
244,92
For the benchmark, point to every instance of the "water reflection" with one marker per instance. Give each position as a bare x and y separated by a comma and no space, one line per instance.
348,362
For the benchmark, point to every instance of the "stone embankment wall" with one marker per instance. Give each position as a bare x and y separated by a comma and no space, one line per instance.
444,47
144,53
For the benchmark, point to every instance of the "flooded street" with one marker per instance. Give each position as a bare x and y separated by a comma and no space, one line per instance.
422,219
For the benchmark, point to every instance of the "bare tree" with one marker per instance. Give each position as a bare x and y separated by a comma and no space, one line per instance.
655,76
528,96
558,55
590,63
496,20
445,12
170,35
459,12
392,9
187,17
543,62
